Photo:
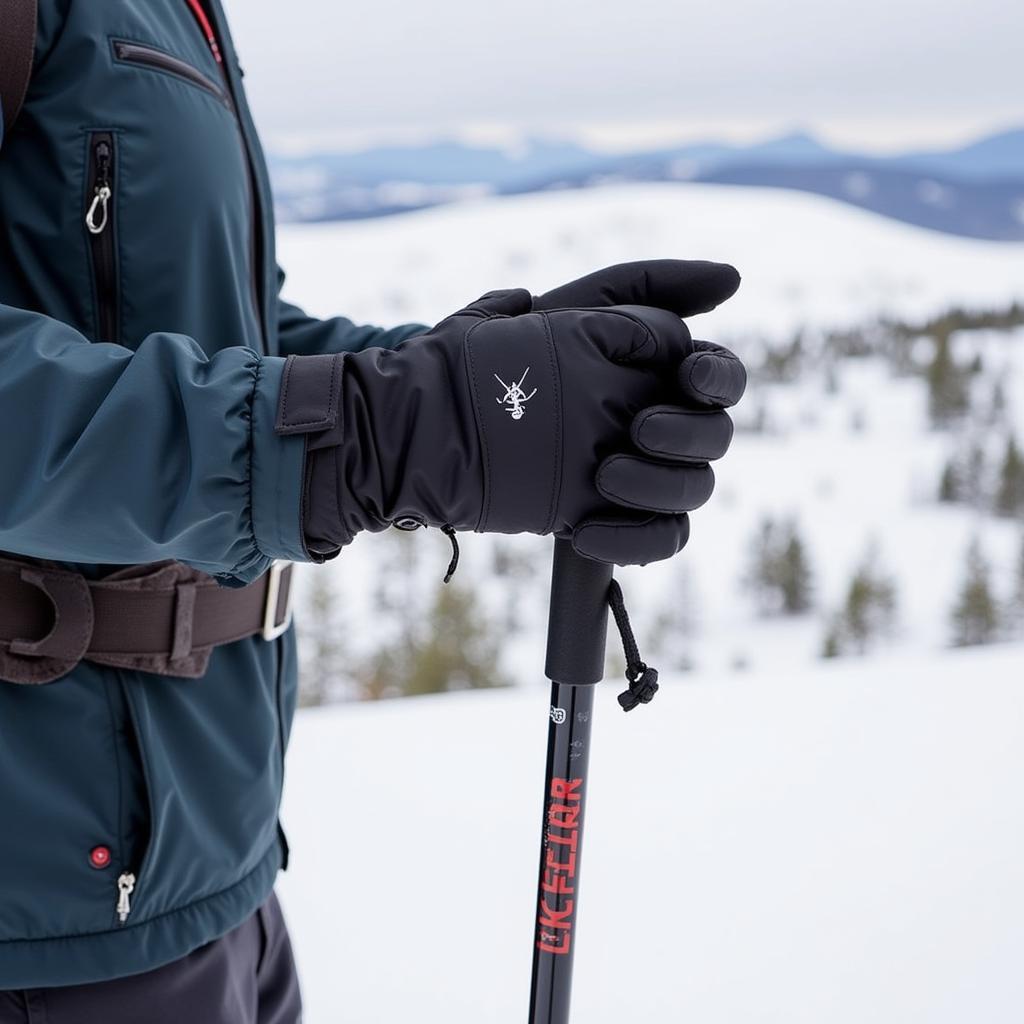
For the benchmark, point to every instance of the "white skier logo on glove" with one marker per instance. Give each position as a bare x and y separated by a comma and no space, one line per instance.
515,397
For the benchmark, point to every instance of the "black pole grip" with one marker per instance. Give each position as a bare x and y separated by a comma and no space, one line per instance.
578,620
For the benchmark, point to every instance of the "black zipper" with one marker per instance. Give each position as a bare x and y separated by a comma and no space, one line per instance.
101,229
151,57
136,839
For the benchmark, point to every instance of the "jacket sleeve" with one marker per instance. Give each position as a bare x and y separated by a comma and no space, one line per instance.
111,456
303,335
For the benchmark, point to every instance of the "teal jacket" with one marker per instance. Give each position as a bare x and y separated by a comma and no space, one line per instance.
142,342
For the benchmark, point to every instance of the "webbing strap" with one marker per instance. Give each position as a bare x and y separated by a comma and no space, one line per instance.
166,619
17,50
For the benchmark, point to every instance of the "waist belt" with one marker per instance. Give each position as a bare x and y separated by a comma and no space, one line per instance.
165,618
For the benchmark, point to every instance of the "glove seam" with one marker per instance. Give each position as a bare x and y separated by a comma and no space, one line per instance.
485,504
556,478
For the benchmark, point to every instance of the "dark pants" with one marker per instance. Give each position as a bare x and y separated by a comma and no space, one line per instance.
246,977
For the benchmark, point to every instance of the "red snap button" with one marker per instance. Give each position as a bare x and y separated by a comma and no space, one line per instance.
99,856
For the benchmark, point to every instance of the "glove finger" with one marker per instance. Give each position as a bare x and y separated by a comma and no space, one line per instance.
712,375
683,287
628,334
654,486
631,541
504,302
669,432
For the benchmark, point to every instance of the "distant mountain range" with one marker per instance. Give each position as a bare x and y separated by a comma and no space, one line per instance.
975,191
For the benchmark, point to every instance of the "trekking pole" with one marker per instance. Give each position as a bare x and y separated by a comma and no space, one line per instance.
577,627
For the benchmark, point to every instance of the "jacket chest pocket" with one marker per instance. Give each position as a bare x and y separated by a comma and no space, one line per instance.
167,211
145,56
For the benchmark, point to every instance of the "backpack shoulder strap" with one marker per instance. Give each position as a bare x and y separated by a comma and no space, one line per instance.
17,49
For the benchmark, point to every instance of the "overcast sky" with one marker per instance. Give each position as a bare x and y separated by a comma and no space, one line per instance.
873,72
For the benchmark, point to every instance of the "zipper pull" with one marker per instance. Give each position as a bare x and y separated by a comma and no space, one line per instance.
101,192
125,888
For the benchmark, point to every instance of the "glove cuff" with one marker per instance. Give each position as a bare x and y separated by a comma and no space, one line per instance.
310,404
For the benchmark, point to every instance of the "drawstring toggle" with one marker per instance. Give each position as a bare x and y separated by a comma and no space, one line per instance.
642,679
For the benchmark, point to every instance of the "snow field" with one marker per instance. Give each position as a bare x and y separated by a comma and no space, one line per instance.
776,839
835,844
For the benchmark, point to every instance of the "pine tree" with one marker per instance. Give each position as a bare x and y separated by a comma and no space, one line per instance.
870,606
459,650
950,487
1009,500
975,483
761,574
780,572
669,639
975,615
782,362
453,648
327,667
397,609
947,384
832,645
868,610
517,567
997,404
1017,598
395,581
794,575
1019,594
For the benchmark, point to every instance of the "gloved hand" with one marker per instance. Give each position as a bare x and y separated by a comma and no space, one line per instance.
595,424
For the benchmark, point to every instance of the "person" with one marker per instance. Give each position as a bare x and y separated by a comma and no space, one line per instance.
176,434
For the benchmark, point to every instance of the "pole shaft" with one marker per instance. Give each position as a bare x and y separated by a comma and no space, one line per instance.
577,627
565,793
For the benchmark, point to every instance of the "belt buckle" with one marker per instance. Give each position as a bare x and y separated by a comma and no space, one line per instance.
272,629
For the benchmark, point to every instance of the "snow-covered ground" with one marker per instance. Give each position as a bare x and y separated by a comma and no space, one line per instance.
858,468
838,845
776,839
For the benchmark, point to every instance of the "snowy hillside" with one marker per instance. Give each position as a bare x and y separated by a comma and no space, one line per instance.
804,260
839,845
778,838
857,467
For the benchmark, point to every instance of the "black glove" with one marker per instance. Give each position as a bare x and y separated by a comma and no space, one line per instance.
595,424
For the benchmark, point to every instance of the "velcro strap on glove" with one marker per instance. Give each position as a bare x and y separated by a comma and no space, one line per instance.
518,405
310,390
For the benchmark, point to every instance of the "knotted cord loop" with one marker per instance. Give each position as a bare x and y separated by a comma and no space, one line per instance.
642,679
